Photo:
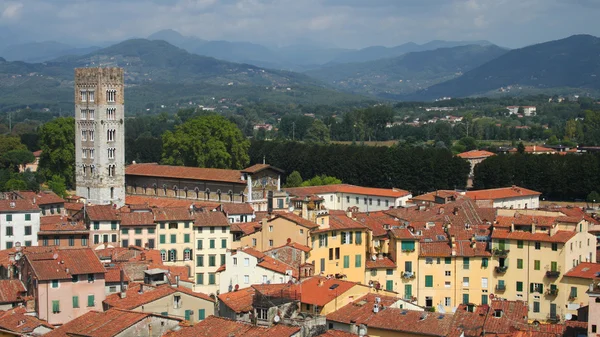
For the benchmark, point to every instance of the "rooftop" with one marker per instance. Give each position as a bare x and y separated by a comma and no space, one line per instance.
12,291
59,223
137,219
60,264
102,213
17,320
135,299
172,214
239,301
585,270
167,202
214,326
295,219
348,189
473,154
205,218
42,198
15,206
501,193
237,208
184,172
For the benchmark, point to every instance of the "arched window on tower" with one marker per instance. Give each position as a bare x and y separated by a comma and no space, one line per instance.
207,193
219,194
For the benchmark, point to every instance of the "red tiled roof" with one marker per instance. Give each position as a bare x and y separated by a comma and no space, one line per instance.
37,153
295,219
100,324
375,221
207,218
586,270
237,208
361,310
76,261
559,236
246,228
475,154
184,172
134,299
513,314
172,271
73,206
443,249
102,213
113,275
501,193
295,245
385,262
524,219
239,301
168,202
259,167
19,205
337,333
172,214
59,223
430,197
17,320
12,291
43,197
320,294
340,221
535,149
214,326
346,188
137,219
267,262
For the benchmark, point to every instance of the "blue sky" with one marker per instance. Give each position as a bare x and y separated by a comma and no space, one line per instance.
341,23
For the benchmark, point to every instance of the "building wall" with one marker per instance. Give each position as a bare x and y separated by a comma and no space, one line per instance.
144,235
150,326
53,209
529,202
401,257
186,188
277,231
107,232
594,312
99,187
220,235
64,239
18,224
342,201
383,276
355,253
242,265
181,231
64,293
188,302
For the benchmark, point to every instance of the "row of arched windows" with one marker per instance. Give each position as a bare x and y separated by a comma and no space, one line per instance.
171,255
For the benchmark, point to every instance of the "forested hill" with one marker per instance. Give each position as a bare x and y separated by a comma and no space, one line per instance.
162,74
407,73
571,62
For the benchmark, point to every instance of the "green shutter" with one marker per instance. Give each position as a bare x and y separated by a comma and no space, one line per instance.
200,278
428,281
56,306
27,217
520,244
519,263
358,238
346,261
465,298
358,261
389,285
536,264
531,287
484,299
173,238
212,243
211,278
75,301
201,314
553,266
408,246
501,244
188,315
162,238
223,243
466,262
407,290
165,313
90,300
8,217
448,260
199,245
519,286
484,262
186,238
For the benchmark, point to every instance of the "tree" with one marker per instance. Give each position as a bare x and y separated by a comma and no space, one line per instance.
57,141
521,148
293,180
15,184
206,141
8,143
317,133
469,142
57,185
593,197
17,158
321,180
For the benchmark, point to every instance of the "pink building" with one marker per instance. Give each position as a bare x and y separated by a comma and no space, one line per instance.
594,308
66,283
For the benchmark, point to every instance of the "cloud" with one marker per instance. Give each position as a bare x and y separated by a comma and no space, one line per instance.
343,23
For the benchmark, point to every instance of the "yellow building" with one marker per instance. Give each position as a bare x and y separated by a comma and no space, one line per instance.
340,247
403,250
175,232
274,231
532,251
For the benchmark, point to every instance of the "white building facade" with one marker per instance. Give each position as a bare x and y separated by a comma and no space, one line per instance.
19,223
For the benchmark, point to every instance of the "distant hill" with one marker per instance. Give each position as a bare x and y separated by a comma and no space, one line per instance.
161,74
380,52
573,62
407,73
41,51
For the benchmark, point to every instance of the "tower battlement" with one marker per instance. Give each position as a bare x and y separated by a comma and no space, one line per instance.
99,75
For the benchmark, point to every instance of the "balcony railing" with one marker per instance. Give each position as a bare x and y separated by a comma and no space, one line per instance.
553,318
552,274
500,252
500,287
501,269
552,292
408,274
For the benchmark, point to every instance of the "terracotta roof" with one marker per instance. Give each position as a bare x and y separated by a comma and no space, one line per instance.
443,249
246,228
73,206
172,214
239,301
337,333
259,167
295,219
168,202
12,291
42,198
340,221
559,236
137,219
524,219
37,153
113,275
501,193
214,326
172,271
295,245
267,262
361,310
184,172
375,221
68,262
102,213
460,212
237,208
101,324
535,149
513,314
17,320
385,262
19,205
313,292
59,223
208,218
430,197
475,154
586,270
346,188
134,299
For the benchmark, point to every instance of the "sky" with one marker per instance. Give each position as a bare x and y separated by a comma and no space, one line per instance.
339,23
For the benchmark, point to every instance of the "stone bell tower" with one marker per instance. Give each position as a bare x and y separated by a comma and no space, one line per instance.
100,135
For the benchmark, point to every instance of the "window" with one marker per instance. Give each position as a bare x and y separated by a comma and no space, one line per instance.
346,261
484,282
465,281
223,243
358,238
55,306
357,200
538,246
408,246
90,278
9,229
254,242
389,271
358,261
84,241
407,266
163,255
246,279
536,264
448,273
573,293
173,238
54,284
187,254
519,286
322,240
246,262
176,301
96,225
212,229
465,298
484,262
407,291
365,201
211,243
594,328
186,238
8,217
212,260
27,243
200,278
199,260
222,259
370,201
466,262
113,238
536,288
519,263
389,285
536,306
27,228
111,95
447,260
429,281
447,301
162,238
91,132
125,243
173,255
211,278
9,244
91,301
71,241
555,246
96,239
83,95
75,301
270,243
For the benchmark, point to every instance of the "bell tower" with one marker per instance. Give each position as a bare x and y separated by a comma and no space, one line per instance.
100,135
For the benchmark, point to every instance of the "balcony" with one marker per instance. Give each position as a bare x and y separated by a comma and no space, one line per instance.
552,274
552,292
501,269
500,287
553,318
408,275
500,252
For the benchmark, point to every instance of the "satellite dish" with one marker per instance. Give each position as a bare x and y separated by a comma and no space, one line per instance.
276,319
55,256
373,257
568,317
491,296
18,256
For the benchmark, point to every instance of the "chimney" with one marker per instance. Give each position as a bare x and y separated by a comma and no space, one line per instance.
270,202
122,282
177,281
141,291
34,200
